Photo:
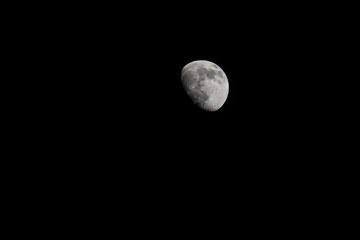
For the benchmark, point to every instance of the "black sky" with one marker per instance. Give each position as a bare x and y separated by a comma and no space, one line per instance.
118,93
122,79
116,125
111,138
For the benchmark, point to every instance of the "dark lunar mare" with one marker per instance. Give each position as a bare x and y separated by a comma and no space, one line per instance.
210,73
215,75
221,74
200,97
199,94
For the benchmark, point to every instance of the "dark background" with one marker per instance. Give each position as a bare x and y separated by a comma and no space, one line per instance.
112,116
117,92
120,77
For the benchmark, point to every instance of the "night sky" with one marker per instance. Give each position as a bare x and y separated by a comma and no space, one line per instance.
128,77
124,119
123,90
118,139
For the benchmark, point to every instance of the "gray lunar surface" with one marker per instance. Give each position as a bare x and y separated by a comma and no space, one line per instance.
206,84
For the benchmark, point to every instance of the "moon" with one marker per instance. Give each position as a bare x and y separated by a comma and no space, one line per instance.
206,84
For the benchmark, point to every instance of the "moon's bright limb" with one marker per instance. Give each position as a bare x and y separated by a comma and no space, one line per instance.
206,84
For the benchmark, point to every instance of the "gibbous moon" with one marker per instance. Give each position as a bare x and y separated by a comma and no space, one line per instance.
206,84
